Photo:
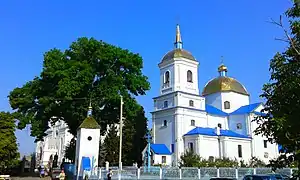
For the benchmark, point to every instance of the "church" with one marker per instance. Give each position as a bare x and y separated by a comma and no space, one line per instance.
216,123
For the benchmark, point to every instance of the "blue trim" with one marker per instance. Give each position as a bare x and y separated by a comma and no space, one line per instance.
214,111
211,132
245,109
160,149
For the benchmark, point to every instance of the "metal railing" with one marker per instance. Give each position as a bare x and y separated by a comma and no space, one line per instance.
183,173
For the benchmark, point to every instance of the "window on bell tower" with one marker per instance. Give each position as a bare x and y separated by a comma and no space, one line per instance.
189,76
226,105
167,79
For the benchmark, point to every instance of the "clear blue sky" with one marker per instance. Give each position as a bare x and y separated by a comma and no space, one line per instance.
235,29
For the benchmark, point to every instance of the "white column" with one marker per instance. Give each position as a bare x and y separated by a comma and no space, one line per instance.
236,173
180,173
199,173
160,173
218,172
138,173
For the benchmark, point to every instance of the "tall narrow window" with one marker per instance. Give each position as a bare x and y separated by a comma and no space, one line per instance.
189,76
163,159
165,123
192,122
220,125
167,77
191,103
240,151
226,105
239,126
265,143
165,104
191,147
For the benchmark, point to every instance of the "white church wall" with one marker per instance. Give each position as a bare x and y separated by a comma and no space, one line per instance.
164,134
259,108
213,121
208,146
158,159
164,89
259,150
194,139
231,148
159,103
214,100
236,101
181,68
87,148
238,123
183,100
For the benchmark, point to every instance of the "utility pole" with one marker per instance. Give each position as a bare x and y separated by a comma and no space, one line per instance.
121,126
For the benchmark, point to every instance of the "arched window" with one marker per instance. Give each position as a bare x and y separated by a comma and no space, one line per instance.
192,122
165,123
189,76
239,125
167,77
226,105
191,103
165,104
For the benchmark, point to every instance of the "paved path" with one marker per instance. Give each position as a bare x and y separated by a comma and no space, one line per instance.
30,178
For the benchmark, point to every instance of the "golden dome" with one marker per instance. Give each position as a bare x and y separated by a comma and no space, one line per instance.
222,67
224,84
177,53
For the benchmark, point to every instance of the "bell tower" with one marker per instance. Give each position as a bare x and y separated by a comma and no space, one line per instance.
178,69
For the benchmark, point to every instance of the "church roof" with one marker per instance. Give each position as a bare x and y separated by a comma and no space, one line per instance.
177,53
246,109
89,123
211,132
160,149
224,84
214,111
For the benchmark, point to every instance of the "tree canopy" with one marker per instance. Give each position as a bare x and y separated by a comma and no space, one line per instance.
282,93
87,69
8,143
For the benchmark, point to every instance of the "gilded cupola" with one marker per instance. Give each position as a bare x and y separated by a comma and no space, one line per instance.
223,83
178,52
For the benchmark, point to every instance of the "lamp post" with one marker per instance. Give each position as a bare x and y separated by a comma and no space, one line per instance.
121,127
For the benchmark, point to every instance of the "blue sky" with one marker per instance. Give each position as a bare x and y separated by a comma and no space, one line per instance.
236,29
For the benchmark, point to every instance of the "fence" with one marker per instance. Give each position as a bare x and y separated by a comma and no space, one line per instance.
184,173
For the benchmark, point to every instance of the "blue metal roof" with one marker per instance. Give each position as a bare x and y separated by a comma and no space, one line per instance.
160,149
214,111
245,109
259,113
211,132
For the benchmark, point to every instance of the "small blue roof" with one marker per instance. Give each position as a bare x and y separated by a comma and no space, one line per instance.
214,111
245,109
211,132
160,149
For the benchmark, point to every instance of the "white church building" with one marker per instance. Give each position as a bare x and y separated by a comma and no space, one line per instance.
214,124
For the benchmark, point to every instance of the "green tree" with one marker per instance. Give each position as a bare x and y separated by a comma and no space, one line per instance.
280,124
190,159
8,143
87,69
111,144
70,150
102,155
134,141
